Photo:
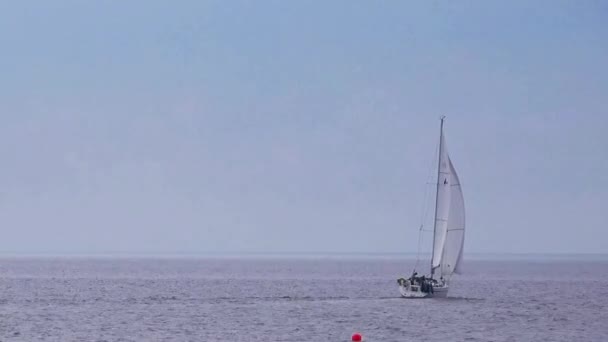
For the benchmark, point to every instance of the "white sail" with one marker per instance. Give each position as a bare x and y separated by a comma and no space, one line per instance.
454,239
442,204
449,218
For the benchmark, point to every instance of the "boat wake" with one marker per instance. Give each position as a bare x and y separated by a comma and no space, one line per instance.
465,299
282,298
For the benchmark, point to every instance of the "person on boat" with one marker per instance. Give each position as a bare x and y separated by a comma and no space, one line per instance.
423,284
413,278
430,282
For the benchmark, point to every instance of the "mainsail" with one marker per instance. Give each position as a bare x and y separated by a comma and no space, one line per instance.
448,238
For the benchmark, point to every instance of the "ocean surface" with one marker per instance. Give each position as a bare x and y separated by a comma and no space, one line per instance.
297,298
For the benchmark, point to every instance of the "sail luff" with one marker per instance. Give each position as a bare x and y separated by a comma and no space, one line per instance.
437,195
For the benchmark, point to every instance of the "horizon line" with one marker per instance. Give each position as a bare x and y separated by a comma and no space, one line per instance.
172,254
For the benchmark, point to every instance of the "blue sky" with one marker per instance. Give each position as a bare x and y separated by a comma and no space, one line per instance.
308,126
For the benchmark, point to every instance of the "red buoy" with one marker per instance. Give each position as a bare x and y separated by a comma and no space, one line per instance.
357,337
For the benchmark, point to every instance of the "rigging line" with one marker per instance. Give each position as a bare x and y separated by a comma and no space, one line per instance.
427,190
420,237
425,204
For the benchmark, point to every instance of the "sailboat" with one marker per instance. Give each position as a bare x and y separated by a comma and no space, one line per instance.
448,233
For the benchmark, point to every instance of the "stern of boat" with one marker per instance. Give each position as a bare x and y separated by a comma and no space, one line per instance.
409,290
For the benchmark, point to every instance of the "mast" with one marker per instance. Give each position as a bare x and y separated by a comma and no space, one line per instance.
437,193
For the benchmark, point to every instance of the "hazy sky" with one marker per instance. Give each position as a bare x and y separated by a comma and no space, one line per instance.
302,126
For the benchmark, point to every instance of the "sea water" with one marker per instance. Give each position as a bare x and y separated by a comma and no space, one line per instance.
297,298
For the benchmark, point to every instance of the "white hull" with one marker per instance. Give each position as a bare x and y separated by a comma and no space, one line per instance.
414,292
